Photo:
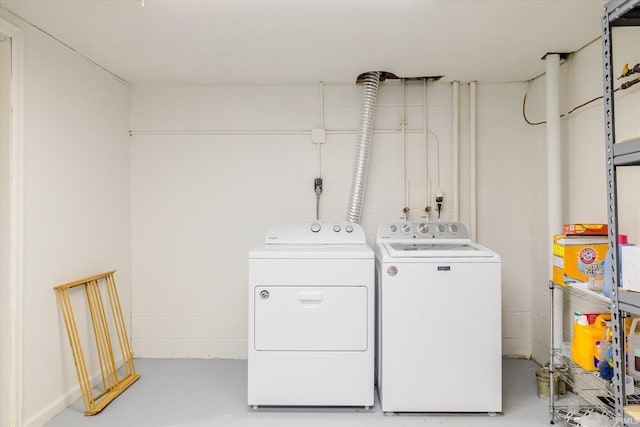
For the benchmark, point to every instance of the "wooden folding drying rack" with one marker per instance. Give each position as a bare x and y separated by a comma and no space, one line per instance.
112,386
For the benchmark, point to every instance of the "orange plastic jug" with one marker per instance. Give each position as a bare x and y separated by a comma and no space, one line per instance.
584,351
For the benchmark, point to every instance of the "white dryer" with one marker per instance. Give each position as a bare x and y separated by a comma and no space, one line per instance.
439,320
311,316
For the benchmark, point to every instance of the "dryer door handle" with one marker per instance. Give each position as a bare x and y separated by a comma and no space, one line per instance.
310,298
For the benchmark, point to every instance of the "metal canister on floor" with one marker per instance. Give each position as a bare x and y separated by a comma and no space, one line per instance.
542,379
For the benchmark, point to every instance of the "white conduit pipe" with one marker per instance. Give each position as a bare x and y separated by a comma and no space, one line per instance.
318,178
473,182
554,180
456,148
268,132
403,126
319,145
365,135
427,183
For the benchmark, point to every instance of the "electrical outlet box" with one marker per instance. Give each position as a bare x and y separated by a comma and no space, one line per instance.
318,136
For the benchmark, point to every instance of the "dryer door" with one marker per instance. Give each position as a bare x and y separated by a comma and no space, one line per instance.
310,318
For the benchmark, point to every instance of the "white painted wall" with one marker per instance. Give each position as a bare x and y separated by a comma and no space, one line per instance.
201,202
5,295
584,157
76,206
198,203
508,164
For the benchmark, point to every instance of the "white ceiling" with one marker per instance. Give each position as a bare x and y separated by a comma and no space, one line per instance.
228,42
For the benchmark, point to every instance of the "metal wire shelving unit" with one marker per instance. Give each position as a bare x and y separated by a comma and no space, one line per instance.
596,394
618,13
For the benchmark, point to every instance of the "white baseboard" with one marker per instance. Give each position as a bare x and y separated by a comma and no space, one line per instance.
56,406
190,348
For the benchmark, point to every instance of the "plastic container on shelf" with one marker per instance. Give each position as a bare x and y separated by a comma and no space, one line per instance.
622,240
633,353
596,279
584,350
605,350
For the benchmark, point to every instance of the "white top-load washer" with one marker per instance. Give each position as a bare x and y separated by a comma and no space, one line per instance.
439,320
311,316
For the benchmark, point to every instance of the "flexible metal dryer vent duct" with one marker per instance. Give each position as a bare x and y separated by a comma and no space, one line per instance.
365,135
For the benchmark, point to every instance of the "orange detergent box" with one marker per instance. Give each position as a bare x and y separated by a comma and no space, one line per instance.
575,256
586,229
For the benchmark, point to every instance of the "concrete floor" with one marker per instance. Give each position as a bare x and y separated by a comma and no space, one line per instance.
199,393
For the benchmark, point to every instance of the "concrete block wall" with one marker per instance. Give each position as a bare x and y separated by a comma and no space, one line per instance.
201,201
506,163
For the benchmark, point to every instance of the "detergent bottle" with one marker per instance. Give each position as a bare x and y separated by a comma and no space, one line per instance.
605,362
587,334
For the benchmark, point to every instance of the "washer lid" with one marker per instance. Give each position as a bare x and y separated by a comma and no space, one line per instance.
437,250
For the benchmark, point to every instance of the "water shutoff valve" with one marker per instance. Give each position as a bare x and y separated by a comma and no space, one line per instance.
439,200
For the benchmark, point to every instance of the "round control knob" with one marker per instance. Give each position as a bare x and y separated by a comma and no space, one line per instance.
441,228
423,227
337,228
453,228
315,227
393,228
348,228
406,228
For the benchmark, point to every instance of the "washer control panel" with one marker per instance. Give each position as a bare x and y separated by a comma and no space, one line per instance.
440,230
316,232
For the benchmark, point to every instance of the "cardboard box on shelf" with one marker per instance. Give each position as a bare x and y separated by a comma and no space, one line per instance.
575,256
586,229
630,267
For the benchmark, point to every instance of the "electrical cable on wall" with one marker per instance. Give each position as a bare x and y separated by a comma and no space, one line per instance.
623,86
626,71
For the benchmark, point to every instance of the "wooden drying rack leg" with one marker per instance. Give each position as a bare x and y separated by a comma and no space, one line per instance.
112,386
